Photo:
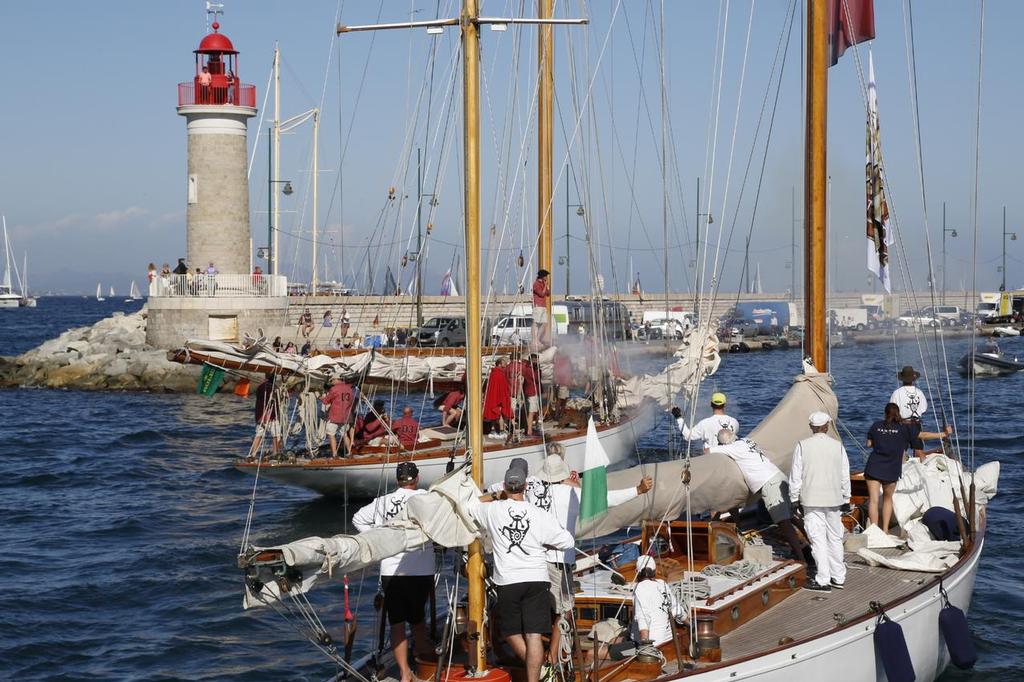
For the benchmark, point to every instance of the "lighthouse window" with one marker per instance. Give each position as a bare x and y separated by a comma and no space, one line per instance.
193,189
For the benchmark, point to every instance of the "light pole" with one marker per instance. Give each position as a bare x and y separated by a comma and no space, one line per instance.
1013,237
580,211
286,190
952,233
419,233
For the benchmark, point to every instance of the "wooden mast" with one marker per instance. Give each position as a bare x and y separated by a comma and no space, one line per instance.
815,178
545,136
474,392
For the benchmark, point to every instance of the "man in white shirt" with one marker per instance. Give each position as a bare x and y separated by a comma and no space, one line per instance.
820,482
654,608
563,501
909,397
707,429
764,478
520,535
406,578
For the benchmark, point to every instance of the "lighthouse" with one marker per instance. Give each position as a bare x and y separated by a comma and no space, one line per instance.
230,300
217,107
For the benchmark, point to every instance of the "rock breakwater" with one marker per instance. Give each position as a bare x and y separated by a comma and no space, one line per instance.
110,355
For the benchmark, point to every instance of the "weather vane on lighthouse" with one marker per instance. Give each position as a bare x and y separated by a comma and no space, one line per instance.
212,10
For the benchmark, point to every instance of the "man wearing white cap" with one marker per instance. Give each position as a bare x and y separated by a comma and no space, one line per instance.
562,499
820,482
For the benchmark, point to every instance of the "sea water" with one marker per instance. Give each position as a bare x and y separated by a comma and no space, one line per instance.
121,515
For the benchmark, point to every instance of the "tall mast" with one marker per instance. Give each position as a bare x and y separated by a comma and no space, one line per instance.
316,186
474,392
815,179
276,142
545,136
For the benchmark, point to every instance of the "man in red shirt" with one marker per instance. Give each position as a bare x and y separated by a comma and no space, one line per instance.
531,389
541,294
340,400
450,407
498,397
371,425
407,429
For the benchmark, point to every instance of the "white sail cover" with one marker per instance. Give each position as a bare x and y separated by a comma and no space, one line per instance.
715,482
695,362
438,516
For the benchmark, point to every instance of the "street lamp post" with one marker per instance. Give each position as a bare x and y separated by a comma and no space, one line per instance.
1013,237
952,233
286,190
580,211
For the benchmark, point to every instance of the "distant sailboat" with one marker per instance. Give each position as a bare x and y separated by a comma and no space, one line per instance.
112,294
27,301
133,293
8,299
99,292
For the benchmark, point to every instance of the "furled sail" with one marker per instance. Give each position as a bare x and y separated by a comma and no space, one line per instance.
438,516
715,482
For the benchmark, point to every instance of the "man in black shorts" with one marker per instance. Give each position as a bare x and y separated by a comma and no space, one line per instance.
520,533
407,578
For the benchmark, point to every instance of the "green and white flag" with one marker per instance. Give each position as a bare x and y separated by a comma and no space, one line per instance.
594,500
210,380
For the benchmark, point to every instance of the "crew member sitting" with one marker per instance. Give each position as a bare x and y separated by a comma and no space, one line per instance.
450,405
371,425
406,429
820,482
408,577
707,429
762,476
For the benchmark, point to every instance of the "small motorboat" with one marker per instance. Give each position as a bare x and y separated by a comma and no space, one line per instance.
990,361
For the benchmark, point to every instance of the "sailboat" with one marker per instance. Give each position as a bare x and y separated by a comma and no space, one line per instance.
27,300
112,294
99,292
8,297
133,293
747,618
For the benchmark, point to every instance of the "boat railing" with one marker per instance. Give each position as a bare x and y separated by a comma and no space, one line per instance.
218,286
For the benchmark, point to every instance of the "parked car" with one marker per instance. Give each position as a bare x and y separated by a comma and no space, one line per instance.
442,331
911,319
947,315
662,329
512,330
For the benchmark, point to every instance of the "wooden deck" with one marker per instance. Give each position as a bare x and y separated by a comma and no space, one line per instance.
807,613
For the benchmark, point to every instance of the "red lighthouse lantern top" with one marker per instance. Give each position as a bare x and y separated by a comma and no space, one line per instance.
216,80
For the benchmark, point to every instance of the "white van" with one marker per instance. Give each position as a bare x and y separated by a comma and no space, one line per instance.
512,330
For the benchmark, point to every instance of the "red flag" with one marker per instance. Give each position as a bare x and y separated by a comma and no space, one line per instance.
851,22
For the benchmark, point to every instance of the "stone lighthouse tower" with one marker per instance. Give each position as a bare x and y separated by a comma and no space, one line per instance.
230,300
217,107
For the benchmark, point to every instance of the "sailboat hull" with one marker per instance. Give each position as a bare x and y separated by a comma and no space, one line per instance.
851,648
350,477
9,301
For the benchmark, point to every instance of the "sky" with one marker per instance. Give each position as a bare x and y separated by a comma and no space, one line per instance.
93,172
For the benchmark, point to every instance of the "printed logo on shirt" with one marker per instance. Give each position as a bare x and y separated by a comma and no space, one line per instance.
914,403
666,601
540,495
515,532
397,504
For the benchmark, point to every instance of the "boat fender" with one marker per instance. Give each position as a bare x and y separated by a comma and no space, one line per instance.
743,347
941,523
891,648
953,625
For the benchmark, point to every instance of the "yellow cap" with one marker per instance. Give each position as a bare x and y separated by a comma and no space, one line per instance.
718,399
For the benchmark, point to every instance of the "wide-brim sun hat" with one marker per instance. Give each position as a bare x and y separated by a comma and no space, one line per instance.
909,372
555,470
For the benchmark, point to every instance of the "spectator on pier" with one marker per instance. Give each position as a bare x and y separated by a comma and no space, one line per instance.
151,273
277,344
328,320
181,268
291,348
211,269
407,429
344,323
306,348
306,322
205,78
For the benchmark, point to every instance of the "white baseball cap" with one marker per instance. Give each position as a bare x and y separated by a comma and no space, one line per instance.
819,418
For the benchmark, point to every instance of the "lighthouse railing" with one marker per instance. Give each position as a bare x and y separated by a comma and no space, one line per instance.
256,285
217,94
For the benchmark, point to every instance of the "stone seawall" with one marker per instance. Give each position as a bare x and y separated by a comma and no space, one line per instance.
110,355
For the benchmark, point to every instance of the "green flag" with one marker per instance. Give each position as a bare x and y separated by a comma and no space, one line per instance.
210,380
594,500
